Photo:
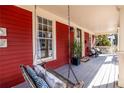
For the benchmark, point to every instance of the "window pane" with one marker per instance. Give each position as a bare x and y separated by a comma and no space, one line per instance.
40,34
43,44
38,49
50,47
45,49
50,44
49,23
40,27
43,54
49,34
40,19
43,34
50,29
44,21
44,28
50,53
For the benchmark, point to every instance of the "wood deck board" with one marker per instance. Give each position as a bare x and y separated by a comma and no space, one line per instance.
111,76
104,82
96,73
92,73
116,74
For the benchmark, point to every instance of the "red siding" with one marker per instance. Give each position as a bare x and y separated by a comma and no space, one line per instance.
19,50
62,45
86,38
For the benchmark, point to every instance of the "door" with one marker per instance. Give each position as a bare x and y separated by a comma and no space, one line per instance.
86,43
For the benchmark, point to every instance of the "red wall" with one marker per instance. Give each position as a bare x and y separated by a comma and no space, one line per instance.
86,43
19,50
61,45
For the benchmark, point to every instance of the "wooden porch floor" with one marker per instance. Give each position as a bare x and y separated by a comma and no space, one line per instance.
100,72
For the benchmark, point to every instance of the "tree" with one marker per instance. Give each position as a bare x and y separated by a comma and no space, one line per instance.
102,40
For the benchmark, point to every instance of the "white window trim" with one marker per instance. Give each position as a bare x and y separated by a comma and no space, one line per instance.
48,59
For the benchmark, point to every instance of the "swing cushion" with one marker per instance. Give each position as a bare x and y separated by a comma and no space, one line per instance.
52,80
39,70
40,83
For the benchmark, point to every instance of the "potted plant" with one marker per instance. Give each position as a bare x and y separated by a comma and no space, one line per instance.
77,50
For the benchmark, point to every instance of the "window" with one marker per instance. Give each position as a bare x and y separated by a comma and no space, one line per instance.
79,35
44,38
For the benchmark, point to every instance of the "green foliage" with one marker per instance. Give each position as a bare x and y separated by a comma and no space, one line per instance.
102,40
77,49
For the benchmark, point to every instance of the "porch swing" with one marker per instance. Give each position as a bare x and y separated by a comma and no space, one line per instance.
69,84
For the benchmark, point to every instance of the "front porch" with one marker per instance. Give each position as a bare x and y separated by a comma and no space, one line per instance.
47,37
100,72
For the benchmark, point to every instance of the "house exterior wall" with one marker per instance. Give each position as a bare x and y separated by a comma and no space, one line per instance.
49,15
21,36
21,39
62,34
18,23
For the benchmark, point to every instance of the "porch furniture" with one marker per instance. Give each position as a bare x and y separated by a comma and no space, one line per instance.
32,83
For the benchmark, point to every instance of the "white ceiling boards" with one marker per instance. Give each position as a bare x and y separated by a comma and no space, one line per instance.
94,18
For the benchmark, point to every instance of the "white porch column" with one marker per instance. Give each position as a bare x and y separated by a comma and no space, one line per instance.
121,49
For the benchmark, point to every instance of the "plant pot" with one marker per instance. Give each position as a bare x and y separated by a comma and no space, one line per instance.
75,61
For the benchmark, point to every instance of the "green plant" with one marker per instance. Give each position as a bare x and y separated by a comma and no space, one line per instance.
102,40
77,49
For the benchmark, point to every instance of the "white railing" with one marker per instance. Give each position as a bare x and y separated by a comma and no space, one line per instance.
107,49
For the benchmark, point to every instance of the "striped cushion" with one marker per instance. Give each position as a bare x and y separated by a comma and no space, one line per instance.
39,70
30,71
40,83
51,80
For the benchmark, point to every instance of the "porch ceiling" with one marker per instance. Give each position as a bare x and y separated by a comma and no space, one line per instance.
98,19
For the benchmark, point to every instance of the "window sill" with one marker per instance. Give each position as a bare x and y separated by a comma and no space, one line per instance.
39,61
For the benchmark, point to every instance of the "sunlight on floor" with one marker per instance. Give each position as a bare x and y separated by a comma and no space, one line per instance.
109,59
108,54
107,74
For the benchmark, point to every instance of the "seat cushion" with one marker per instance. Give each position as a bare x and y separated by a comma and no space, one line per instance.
30,71
52,80
39,70
39,82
